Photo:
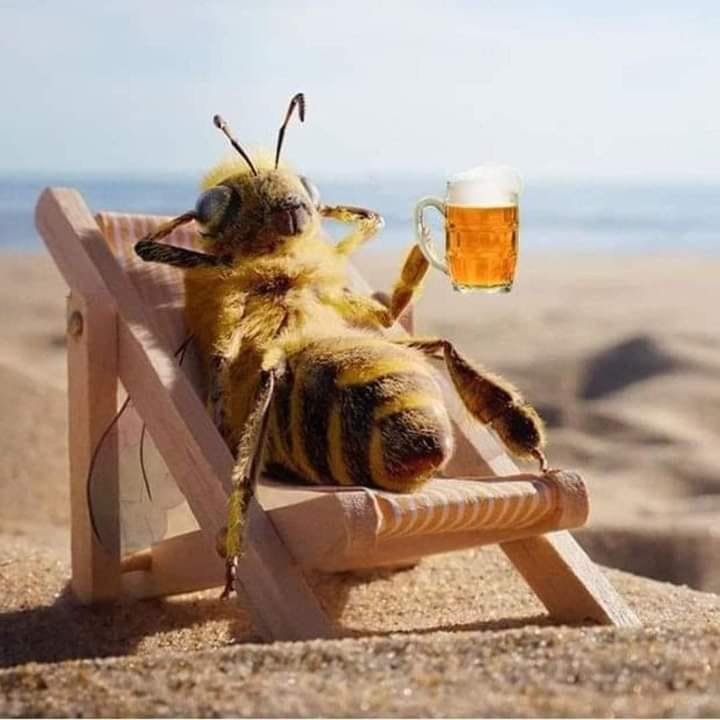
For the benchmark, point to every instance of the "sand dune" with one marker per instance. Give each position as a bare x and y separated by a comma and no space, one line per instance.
33,453
622,359
631,361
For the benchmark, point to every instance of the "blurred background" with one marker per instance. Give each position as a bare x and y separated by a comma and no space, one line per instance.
609,110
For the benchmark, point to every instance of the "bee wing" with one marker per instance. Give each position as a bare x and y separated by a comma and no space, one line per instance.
151,507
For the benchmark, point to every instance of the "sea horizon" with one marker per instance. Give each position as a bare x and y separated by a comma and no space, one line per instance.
588,215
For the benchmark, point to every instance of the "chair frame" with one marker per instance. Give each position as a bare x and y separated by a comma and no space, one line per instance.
111,337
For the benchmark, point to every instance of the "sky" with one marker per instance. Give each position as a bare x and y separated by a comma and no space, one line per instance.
612,89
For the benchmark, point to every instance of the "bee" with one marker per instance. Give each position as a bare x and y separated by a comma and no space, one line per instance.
303,382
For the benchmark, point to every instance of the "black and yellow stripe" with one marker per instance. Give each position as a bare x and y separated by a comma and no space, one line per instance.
365,412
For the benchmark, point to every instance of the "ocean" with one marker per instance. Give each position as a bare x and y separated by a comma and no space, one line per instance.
581,216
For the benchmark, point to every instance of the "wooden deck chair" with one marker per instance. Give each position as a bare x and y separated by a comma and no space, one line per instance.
125,318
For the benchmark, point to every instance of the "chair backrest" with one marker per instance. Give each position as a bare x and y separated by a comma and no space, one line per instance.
146,520
160,286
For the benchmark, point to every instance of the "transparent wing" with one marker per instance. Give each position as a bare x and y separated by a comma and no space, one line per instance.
151,506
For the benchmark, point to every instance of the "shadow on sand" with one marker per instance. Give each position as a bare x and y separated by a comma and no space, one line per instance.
67,630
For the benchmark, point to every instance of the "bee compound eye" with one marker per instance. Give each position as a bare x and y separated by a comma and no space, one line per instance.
311,190
212,206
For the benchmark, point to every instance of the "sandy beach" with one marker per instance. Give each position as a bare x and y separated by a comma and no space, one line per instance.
621,355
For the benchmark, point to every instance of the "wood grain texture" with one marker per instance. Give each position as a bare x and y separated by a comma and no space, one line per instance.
337,530
180,564
570,585
269,591
92,388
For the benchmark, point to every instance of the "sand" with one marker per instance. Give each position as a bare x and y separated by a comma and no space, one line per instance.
622,356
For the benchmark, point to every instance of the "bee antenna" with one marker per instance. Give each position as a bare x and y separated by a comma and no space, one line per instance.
221,125
299,102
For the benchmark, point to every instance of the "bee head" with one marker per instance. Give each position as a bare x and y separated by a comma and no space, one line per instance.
257,207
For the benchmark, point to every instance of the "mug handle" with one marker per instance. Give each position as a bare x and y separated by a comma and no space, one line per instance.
424,238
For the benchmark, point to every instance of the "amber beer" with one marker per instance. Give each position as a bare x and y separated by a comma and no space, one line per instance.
481,229
481,246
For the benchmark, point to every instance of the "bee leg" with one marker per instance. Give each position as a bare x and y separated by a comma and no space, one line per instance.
408,284
492,400
368,223
383,310
217,397
220,386
245,473
230,563
150,250
230,576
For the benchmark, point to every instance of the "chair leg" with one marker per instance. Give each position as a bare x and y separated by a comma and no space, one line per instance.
281,603
92,392
567,581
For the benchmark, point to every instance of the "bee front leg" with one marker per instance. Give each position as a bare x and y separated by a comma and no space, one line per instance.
245,473
492,400
408,284
368,223
150,250
405,290
382,309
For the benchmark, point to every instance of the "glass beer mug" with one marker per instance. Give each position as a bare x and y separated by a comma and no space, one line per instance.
481,229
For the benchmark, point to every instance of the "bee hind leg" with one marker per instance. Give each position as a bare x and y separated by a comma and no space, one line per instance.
244,476
492,400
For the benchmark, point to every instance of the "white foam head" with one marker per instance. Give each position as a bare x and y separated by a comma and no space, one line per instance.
485,186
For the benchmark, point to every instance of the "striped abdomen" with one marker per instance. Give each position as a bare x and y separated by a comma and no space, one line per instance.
358,411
